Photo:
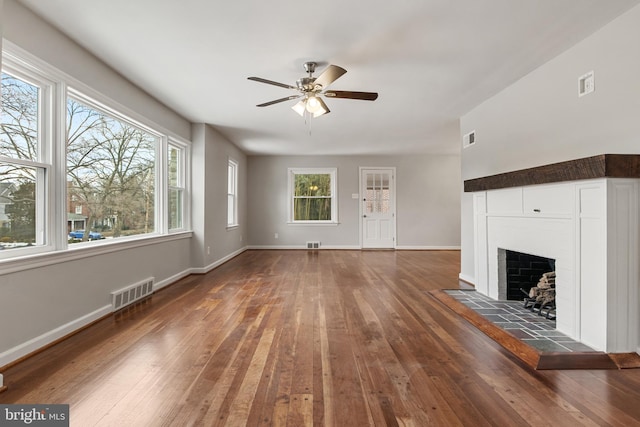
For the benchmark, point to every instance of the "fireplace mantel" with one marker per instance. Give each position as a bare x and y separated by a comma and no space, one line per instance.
601,166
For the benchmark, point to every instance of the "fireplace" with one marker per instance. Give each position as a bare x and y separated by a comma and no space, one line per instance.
588,224
518,272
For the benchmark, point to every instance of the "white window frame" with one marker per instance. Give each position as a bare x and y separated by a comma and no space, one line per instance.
45,223
292,172
56,87
183,183
232,193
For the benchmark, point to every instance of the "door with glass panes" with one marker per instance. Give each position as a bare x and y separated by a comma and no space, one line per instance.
378,208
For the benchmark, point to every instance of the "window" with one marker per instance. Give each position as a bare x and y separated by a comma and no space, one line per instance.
110,171
313,196
24,159
232,193
176,185
69,161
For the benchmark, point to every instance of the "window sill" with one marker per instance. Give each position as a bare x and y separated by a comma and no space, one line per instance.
79,251
232,227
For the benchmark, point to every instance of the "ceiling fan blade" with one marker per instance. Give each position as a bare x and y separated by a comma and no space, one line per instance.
271,82
365,96
330,75
276,101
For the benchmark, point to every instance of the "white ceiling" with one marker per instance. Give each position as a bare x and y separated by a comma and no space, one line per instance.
431,61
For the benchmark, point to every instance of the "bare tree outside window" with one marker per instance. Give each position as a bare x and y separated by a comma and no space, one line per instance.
19,119
110,173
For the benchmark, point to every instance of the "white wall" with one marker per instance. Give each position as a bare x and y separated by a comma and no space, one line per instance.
540,119
427,200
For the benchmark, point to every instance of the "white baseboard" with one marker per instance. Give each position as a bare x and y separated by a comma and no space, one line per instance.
39,342
468,279
170,280
428,248
355,248
302,247
219,262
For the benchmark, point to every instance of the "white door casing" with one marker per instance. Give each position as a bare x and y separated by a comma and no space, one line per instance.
377,208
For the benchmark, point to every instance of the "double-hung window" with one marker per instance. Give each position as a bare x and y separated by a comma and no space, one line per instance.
232,193
25,160
177,179
313,196
75,167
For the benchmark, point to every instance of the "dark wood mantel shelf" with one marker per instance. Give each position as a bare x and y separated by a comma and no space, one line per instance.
601,166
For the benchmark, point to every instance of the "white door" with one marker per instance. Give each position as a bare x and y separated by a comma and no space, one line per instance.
377,190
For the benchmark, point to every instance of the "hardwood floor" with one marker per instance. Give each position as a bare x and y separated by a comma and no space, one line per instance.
333,338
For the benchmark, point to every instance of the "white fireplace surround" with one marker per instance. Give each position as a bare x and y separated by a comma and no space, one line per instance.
591,229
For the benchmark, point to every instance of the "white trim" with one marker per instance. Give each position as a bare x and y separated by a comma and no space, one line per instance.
95,248
468,279
428,248
234,166
303,247
41,341
333,171
59,87
217,263
393,204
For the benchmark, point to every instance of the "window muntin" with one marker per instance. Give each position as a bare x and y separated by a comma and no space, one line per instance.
313,195
110,171
23,167
232,193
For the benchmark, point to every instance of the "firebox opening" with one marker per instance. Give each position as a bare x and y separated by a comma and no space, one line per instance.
519,272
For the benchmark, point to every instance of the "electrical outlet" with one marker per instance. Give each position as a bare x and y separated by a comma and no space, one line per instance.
276,235
586,84
208,250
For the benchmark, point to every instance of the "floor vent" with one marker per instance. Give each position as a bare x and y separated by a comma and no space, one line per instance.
313,245
132,293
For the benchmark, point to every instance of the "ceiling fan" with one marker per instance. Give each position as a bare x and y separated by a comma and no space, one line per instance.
310,89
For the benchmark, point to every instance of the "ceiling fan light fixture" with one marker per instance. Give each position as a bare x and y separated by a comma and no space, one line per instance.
300,107
313,104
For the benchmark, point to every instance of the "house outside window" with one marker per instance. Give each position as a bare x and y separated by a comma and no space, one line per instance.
313,196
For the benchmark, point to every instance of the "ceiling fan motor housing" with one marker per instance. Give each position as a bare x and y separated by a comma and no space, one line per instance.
307,84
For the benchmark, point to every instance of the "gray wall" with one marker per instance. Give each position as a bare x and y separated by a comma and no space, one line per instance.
53,294
540,119
36,36
212,240
427,200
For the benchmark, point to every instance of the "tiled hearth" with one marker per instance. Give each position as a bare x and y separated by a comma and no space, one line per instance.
532,329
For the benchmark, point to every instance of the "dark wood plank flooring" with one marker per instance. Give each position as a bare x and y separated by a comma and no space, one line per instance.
296,338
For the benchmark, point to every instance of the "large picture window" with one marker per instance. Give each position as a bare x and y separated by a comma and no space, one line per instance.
110,173
75,167
313,195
